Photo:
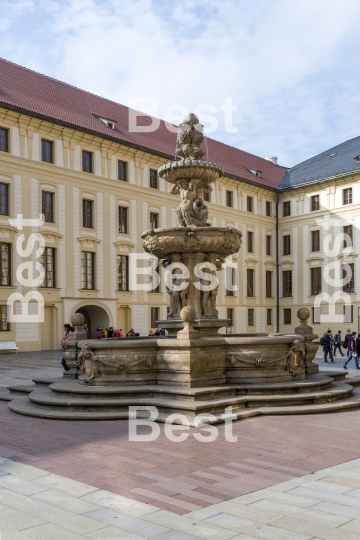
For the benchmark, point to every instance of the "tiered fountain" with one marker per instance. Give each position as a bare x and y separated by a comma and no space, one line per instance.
194,369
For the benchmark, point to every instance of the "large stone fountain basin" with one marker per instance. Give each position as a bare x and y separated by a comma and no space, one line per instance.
163,242
194,363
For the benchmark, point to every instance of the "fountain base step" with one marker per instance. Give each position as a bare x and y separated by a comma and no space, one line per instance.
69,400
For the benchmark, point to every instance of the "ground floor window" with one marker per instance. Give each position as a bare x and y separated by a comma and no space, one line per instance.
4,324
269,317
155,316
230,316
287,316
251,317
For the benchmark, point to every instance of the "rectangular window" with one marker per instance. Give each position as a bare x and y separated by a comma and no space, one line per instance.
123,220
268,208
229,198
286,208
347,196
315,279
87,161
315,203
315,240
5,264
47,259
230,281
315,315
154,316
122,273
269,317
251,317
268,284
287,244
287,283
287,316
154,220
348,311
4,140
230,316
47,151
348,230
4,324
249,204
348,277
153,180
250,282
122,171
48,206
88,213
87,270
250,242
268,244
207,197
4,199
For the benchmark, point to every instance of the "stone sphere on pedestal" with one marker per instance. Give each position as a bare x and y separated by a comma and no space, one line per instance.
188,314
77,319
303,314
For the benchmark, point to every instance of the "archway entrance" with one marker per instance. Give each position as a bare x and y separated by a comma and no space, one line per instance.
94,316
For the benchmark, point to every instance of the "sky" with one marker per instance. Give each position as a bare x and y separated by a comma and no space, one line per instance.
290,70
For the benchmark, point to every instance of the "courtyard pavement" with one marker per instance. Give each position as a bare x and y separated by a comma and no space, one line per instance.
287,477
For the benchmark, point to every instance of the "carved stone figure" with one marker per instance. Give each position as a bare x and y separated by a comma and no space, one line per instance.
87,363
192,210
178,295
189,138
208,300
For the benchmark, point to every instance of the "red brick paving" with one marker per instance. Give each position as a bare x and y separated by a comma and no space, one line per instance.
188,475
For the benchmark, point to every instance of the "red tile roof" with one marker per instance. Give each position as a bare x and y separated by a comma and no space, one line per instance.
42,96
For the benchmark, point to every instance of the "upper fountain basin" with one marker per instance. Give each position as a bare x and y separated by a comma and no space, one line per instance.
162,242
190,168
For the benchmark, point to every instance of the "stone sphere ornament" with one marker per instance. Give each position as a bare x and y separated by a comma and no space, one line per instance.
303,314
188,314
77,319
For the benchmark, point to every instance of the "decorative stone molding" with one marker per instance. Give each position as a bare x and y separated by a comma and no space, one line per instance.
89,242
124,246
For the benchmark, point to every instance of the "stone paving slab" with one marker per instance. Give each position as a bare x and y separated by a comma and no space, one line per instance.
305,508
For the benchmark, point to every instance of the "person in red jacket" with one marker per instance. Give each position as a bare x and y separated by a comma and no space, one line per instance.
352,351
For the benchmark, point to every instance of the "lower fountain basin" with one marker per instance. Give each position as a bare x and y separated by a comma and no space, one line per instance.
208,360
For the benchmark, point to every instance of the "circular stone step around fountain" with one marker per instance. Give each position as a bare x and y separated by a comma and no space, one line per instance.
73,401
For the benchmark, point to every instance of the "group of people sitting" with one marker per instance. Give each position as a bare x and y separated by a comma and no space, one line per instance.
111,333
159,332
351,344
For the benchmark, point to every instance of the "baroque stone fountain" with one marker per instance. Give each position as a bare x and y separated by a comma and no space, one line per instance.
195,369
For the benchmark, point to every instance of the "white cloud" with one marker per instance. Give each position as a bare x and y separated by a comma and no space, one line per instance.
290,67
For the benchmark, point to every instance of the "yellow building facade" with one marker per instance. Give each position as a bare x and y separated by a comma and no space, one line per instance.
98,195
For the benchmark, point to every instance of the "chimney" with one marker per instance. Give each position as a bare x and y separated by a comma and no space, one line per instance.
273,159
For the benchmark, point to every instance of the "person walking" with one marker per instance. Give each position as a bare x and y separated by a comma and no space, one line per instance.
68,330
352,351
337,343
348,334
327,347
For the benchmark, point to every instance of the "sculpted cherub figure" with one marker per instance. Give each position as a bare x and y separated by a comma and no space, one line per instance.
189,138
